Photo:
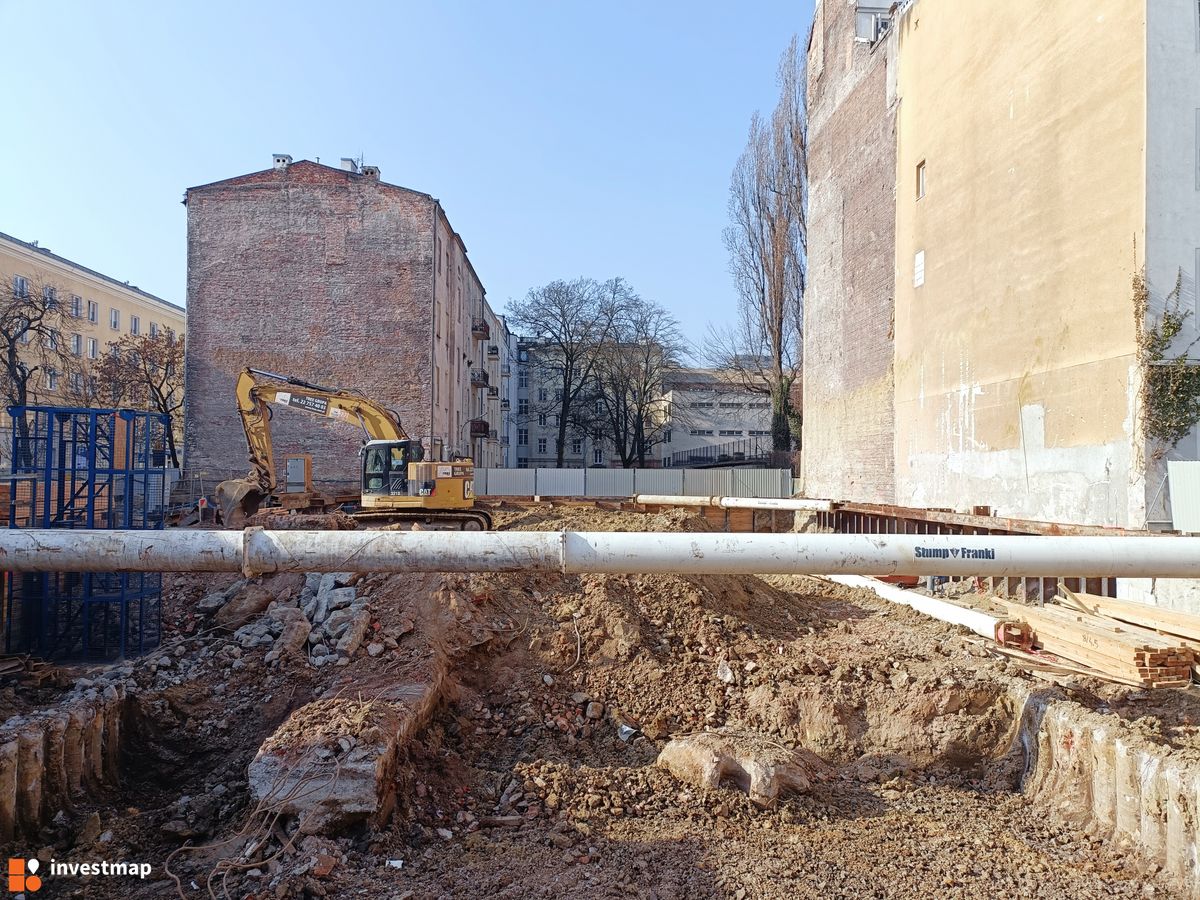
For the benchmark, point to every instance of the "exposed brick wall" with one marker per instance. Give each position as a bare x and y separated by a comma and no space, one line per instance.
848,354
314,272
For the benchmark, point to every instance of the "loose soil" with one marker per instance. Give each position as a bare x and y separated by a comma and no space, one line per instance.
536,776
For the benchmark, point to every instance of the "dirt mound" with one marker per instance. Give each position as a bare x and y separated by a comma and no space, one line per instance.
586,517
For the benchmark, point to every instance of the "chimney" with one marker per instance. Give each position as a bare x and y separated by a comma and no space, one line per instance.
371,172
349,165
281,160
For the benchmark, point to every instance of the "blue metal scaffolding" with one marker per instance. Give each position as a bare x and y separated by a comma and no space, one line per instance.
85,468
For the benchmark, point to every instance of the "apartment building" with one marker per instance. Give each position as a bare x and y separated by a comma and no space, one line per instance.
712,418
94,310
333,275
1046,156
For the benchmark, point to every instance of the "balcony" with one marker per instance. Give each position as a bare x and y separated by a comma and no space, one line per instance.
479,428
480,330
492,435
506,371
505,405
493,352
493,392
479,378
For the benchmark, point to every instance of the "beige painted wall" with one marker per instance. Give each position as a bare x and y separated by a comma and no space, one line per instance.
40,268
1015,360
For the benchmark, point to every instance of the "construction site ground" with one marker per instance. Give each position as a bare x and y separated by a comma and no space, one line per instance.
534,773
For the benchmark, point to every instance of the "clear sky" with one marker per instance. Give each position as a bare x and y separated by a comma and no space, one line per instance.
563,138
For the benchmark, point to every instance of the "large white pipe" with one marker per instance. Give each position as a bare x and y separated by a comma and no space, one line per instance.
71,550
978,622
257,551
787,503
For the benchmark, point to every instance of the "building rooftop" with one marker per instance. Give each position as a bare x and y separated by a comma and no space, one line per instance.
125,285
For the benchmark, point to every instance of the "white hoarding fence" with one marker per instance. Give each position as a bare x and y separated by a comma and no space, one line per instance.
732,482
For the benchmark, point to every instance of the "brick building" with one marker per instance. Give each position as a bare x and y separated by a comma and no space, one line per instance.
848,398
332,275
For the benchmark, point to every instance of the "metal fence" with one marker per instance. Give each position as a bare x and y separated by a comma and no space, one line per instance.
732,482
85,468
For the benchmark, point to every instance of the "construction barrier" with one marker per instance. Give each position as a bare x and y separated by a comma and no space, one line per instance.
597,483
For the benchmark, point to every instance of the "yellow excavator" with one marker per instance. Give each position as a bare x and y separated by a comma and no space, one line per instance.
399,487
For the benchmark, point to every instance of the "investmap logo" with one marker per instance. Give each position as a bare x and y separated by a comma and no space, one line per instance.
22,876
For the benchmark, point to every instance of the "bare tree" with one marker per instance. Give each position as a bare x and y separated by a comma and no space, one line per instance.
144,372
565,322
767,239
628,399
35,357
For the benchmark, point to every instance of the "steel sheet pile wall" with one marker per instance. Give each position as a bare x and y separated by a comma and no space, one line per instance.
85,469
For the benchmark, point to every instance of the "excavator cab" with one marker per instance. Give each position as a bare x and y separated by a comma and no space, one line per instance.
385,468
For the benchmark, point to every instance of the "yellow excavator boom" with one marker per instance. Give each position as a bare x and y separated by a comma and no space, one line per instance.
255,389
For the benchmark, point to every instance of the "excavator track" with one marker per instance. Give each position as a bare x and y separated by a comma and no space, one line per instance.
424,520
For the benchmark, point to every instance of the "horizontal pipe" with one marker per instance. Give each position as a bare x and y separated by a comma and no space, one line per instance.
787,503
256,551
71,550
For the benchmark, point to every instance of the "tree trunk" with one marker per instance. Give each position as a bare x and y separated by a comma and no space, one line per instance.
781,432
560,442
171,445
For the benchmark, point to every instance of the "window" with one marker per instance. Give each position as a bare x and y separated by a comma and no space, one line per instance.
597,457
541,445
20,287
700,432
576,446
24,336
919,269
52,379
598,407
759,406
667,436
76,306
93,348
51,340
50,297
523,378
730,405
135,325
920,179
153,329
541,395
871,22
542,419
170,334
114,318
523,407
77,344
93,312
522,437
522,463
76,382
731,433
700,405
759,433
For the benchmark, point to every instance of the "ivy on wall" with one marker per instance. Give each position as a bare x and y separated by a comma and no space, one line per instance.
1171,387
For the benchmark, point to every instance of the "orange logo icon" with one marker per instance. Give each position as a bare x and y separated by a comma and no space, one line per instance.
18,881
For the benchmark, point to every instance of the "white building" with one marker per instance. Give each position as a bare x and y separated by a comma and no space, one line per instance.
713,419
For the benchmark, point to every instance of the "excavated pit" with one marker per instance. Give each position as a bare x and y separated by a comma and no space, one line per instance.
501,736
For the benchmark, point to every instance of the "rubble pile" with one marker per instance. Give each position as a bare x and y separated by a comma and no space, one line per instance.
540,735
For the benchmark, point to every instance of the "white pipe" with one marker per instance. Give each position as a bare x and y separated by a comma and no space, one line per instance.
257,551
978,622
788,503
70,550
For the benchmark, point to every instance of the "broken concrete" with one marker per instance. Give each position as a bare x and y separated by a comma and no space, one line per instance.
764,770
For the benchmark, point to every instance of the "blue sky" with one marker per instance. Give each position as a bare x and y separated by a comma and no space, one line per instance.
564,139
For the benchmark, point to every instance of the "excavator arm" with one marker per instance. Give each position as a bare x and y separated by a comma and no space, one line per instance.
240,498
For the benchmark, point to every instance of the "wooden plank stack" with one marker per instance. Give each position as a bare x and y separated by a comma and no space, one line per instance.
1123,651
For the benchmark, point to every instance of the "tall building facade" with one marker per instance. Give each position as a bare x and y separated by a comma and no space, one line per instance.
93,311
1047,155
337,277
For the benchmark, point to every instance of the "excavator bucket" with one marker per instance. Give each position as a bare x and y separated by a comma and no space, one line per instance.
238,499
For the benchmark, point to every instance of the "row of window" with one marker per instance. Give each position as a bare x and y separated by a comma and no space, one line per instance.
597,457
76,308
